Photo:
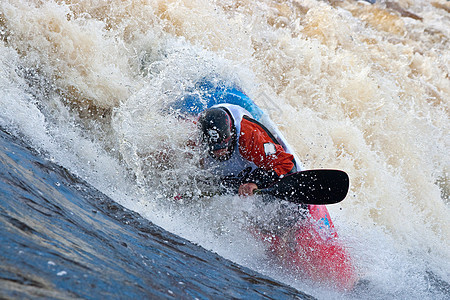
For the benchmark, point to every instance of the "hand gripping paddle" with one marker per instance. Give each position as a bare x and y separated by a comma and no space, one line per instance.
318,187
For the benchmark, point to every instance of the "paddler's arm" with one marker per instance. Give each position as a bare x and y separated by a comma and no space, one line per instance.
248,180
258,178
256,144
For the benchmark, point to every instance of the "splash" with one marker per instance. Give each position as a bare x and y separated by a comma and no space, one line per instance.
354,85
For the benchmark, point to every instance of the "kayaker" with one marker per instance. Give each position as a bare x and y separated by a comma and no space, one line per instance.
241,149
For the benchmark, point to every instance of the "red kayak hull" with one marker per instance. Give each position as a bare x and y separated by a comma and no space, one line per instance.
313,250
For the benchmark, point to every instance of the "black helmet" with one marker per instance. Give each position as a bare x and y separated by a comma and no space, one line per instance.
217,129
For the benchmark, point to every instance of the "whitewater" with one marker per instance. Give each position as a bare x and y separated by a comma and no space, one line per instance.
360,86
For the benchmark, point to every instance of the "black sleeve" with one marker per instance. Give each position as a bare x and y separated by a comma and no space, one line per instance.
262,178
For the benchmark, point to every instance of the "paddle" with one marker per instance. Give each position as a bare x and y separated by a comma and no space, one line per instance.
319,187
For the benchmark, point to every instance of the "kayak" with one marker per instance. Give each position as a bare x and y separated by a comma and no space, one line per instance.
311,247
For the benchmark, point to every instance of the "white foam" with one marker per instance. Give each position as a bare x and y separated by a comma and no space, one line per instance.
348,88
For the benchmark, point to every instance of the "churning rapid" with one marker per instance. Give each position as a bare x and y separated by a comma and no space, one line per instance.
361,86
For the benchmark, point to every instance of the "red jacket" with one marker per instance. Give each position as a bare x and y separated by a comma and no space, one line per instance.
259,146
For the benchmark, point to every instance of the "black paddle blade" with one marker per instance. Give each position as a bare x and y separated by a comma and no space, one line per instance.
319,187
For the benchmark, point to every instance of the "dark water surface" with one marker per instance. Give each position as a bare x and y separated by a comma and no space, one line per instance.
61,238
